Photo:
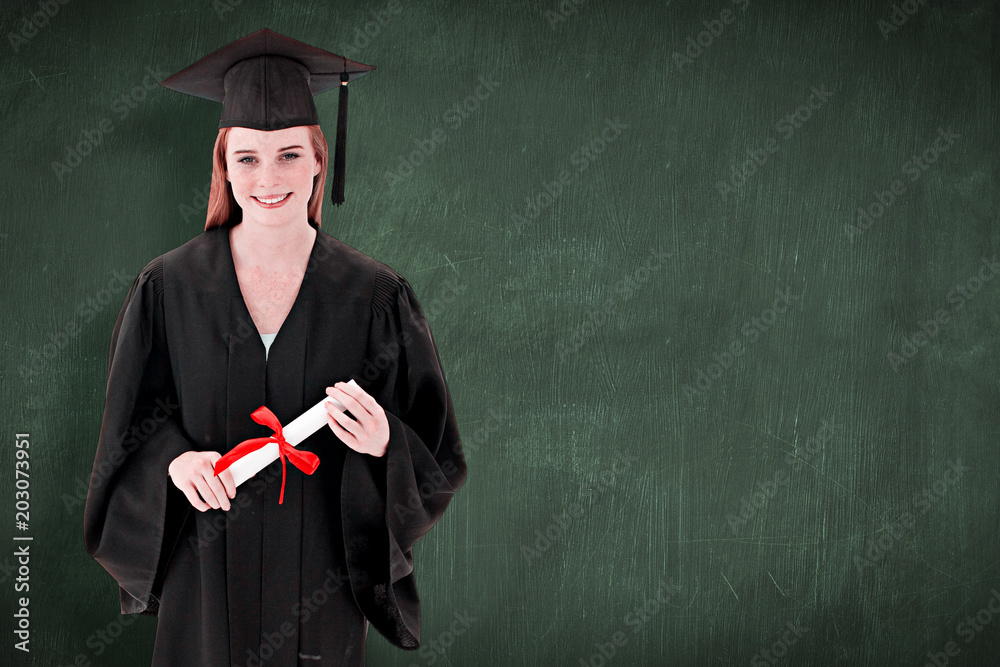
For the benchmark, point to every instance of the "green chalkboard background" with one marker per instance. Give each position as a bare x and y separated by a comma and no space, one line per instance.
713,284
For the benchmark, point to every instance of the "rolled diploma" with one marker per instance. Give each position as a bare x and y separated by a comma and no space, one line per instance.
295,432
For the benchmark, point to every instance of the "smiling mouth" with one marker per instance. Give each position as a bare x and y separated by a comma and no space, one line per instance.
273,199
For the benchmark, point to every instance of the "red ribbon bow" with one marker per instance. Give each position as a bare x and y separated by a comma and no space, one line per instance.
307,462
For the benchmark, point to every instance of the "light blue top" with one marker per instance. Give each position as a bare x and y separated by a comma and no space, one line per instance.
267,340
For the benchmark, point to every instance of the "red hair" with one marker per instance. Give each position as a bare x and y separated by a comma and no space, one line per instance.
222,204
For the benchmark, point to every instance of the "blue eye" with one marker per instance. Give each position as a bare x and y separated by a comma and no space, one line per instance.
291,156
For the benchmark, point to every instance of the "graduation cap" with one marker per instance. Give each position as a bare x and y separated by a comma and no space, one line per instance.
266,81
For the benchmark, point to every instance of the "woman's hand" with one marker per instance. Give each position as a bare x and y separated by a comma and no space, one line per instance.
194,474
370,433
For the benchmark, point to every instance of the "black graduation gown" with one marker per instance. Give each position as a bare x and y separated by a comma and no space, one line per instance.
279,585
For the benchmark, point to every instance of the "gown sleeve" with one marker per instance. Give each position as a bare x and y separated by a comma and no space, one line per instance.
390,502
134,512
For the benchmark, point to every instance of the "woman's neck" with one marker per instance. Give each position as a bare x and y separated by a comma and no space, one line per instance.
281,249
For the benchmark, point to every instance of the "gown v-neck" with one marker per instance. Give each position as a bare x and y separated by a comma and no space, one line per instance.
268,339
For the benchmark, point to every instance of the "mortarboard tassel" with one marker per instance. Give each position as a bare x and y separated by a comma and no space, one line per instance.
338,159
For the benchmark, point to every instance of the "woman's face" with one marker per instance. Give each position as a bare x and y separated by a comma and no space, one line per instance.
271,173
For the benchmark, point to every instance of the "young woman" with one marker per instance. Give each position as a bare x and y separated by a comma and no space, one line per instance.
265,309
